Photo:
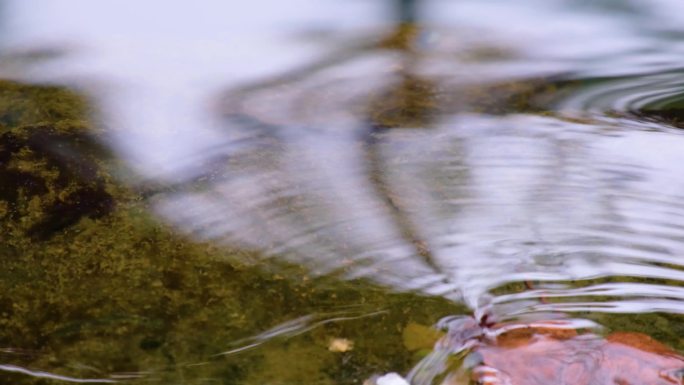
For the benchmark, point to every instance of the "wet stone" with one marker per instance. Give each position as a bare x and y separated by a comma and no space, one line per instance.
536,355
52,165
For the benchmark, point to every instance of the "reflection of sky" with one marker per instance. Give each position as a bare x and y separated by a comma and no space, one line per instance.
497,202
590,37
155,40
166,59
161,62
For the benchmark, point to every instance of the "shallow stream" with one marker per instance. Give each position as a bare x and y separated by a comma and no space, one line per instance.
272,192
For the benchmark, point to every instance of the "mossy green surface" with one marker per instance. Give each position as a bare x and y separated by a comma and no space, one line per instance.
93,286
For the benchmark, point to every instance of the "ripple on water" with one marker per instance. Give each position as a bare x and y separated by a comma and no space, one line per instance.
648,97
472,205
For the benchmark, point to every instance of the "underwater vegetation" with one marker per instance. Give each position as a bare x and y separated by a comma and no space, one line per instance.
94,287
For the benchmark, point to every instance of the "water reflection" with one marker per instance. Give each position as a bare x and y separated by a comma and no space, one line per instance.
378,177
493,154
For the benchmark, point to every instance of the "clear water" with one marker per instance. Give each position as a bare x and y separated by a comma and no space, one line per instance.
302,188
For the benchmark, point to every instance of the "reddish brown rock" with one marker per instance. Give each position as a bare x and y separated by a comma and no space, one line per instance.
560,356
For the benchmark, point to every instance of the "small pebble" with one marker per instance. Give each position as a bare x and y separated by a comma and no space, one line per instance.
340,345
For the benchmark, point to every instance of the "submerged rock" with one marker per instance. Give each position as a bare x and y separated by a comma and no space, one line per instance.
551,353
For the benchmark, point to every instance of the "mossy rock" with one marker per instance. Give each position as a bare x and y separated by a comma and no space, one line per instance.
52,162
92,284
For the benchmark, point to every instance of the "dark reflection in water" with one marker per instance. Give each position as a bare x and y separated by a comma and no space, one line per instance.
336,183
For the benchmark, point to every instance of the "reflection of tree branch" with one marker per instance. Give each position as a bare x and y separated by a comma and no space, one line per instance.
412,102
331,60
407,228
401,38
407,10
403,35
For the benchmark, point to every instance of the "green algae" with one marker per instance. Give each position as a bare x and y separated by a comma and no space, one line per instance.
93,285
52,169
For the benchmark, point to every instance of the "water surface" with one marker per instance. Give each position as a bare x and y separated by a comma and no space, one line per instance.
287,193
